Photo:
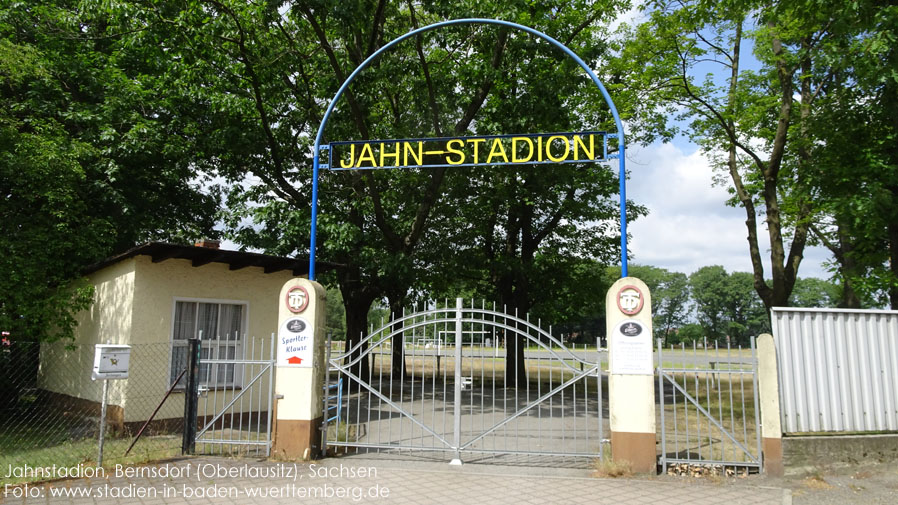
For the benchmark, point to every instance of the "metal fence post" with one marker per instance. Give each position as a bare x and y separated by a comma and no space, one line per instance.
660,372
102,422
457,403
191,396
325,397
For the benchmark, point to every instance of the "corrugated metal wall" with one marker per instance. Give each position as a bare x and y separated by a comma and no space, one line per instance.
838,369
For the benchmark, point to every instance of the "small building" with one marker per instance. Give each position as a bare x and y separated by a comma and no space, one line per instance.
154,297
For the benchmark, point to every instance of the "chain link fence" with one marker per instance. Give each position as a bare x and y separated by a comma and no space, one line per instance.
50,407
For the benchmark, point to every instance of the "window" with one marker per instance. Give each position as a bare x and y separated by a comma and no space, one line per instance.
221,328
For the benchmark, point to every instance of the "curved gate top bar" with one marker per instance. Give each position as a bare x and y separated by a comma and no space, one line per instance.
567,51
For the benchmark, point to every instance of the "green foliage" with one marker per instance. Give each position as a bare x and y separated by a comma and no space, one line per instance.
91,160
265,74
686,334
855,178
812,292
336,315
727,305
803,136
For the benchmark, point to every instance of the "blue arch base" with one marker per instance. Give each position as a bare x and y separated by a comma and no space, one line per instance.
620,128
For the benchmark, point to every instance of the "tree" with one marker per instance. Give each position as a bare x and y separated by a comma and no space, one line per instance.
726,305
263,74
91,159
690,332
855,179
811,292
336,318
756,122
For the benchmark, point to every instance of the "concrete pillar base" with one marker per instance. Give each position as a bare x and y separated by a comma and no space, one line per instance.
772,449
638,449
297,439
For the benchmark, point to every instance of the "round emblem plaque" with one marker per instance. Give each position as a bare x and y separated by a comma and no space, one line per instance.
630,300
297,299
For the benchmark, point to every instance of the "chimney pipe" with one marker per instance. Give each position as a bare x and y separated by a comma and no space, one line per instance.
208,244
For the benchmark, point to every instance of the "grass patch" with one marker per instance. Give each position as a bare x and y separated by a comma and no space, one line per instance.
605,467
84,451
816,482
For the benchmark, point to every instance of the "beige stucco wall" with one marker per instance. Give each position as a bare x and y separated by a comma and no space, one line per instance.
108,321
134,304
156,287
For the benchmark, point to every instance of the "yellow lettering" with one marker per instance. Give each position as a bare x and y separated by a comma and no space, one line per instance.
459,152
385,154
366,148
539,149
419,157
578,143
497,143
514,149
476,152
343,164
567,148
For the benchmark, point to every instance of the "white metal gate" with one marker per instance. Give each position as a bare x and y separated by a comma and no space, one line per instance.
455,398
236,394
709,405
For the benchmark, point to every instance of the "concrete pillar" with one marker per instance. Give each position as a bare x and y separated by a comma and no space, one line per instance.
301,366
769,402
631,385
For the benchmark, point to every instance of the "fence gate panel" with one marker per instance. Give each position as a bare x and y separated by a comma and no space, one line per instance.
709,406
236,387
438,381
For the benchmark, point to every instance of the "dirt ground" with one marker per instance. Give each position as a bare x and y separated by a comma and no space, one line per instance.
871,483
825,485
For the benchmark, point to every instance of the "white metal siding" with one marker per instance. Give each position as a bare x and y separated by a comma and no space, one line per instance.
838,369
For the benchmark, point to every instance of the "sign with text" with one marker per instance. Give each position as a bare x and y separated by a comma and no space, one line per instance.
526,149
295,343
631,349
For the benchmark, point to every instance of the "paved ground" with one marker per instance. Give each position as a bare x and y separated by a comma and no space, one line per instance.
366,479
353,480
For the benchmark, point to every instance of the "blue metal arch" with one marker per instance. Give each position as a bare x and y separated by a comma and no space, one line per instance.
364,64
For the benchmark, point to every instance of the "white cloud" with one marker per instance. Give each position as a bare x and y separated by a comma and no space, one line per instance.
689,224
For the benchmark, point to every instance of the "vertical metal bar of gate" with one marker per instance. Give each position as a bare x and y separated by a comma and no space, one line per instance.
661,403
600,414
325,396
271,377
456,440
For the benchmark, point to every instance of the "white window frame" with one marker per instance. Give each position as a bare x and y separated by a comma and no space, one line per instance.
211,348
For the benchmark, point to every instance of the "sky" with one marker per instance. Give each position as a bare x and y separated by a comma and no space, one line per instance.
689,224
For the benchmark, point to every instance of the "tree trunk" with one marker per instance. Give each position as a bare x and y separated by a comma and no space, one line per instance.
357,303
397,362
515,369
893,264
849,269
515,344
